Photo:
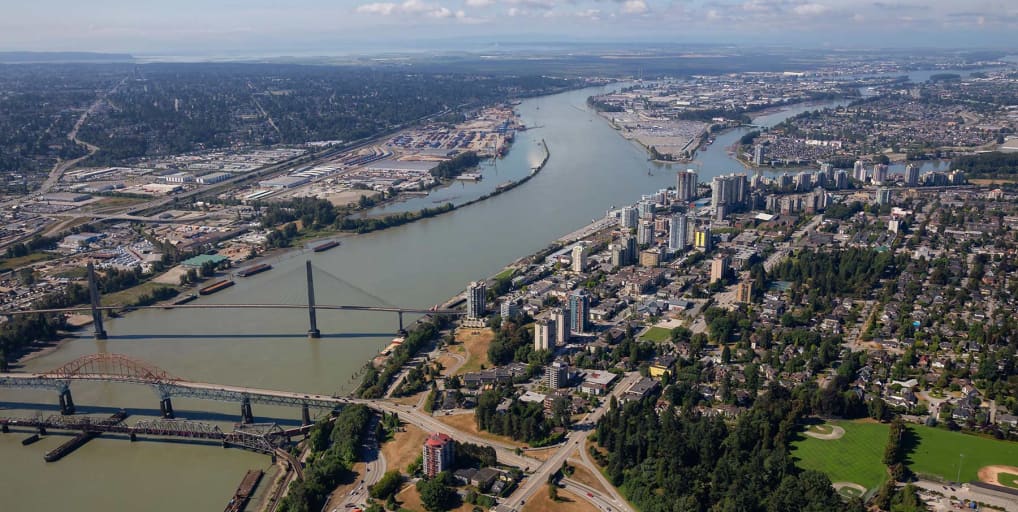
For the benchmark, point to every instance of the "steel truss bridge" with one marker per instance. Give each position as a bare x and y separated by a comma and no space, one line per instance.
105,367
267,438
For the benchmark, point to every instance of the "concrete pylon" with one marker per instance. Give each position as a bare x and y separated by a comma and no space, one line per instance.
313,331
93,294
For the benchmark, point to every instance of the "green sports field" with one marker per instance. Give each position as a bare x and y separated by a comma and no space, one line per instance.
853,458
856,457
940,451
1008,479
657,334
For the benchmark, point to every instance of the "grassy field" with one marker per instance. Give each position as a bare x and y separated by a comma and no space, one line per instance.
657,334
1008,479
404,448
505,273
130,295
468,424
13,263
856,457
474,345
938,453
567,502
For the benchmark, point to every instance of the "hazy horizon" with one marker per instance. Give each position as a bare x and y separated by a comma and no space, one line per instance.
309,27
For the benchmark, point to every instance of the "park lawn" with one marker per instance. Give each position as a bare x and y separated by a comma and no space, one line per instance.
856,457
657,335
1008,479
939,451
505,274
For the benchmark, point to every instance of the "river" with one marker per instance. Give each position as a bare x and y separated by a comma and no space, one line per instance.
419,264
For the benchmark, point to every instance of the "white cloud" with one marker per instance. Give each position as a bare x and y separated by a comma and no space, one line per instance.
513,12
414,6
382,8
441,12
634,7
533,4
408,7
479,3
810,9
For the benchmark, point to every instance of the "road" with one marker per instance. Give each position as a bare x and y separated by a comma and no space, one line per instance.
424,421
779,255
965,492
593,496
61,167
575,439
375,467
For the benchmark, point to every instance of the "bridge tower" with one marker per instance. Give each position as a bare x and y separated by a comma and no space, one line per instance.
246,416
166,407
66,402
313,331
97,315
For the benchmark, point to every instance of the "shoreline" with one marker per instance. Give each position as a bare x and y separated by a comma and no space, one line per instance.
277,254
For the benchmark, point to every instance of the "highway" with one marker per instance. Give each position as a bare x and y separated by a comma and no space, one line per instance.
374,468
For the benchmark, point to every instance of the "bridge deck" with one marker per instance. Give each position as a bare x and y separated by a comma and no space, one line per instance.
323,307
179,388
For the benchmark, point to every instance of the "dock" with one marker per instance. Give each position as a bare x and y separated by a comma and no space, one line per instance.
79,440
245,490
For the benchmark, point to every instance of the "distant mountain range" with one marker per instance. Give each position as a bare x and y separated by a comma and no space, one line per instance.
54,57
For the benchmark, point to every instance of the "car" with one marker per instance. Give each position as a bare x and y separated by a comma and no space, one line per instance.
590,495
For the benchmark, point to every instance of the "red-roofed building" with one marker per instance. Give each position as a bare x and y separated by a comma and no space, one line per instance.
438,454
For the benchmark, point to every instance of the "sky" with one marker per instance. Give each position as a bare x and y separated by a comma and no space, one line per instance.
263,27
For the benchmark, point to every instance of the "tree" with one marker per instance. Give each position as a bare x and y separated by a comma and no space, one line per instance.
387,486
436,495
553,491
26,276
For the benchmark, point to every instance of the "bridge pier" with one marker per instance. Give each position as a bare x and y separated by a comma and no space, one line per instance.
133,436
42,430
401,329
5,428
313,331
166,408
66,402
246,416
305,415
97,315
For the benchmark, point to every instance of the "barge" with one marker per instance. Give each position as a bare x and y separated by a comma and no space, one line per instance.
215,287
257,269
326,246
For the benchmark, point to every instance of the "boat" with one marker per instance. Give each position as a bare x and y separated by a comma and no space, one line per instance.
256,269
215,287
326,246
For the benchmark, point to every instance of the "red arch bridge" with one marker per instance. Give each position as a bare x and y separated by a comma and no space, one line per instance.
105,367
